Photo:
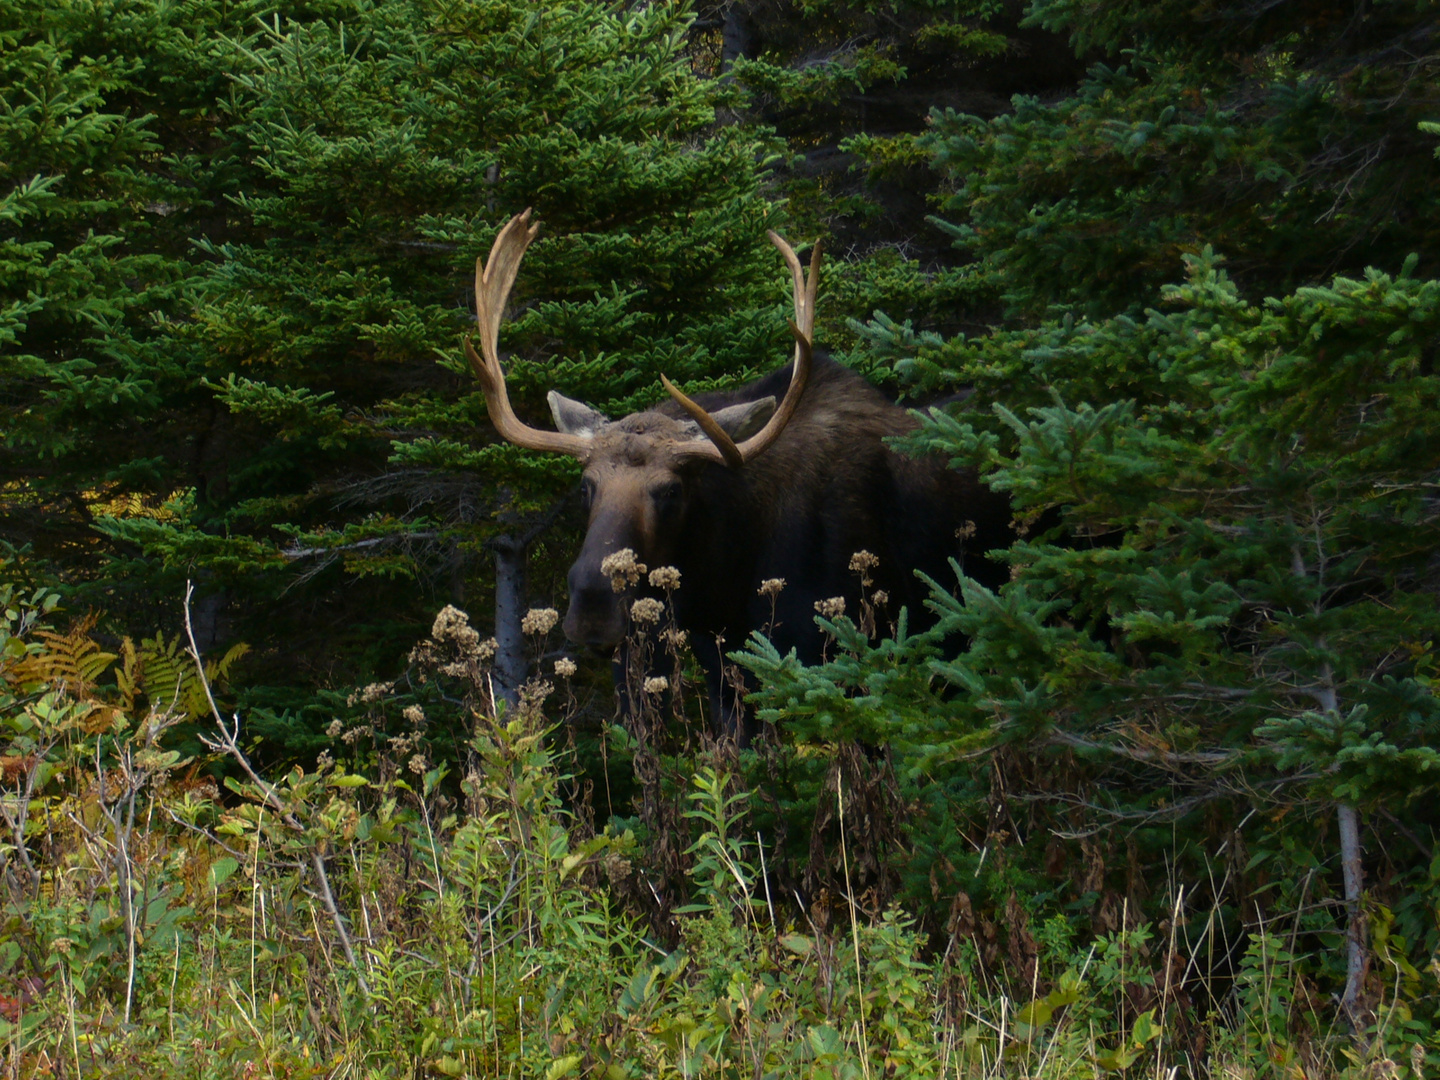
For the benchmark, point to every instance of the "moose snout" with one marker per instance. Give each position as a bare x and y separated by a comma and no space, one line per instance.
595,617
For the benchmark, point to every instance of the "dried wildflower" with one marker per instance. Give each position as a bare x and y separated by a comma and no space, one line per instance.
647,610
485,650
418,764
771,586
622,569
423,653
355,734
415,714
565,667
862,561
675,638
540,620
881,597
832,608
665,577
446,621
534,693
657,684
375,691
966,531
334,728
459,669
324,760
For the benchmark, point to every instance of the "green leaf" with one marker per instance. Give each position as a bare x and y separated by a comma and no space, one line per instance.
221,869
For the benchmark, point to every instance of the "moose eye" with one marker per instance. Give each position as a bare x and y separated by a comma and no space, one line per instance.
587,492
667,496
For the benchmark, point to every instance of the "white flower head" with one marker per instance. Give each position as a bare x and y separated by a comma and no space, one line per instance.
622,568
539,621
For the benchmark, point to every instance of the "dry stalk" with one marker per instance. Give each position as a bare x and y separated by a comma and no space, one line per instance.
228,742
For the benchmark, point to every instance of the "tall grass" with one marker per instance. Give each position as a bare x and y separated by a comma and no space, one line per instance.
423,918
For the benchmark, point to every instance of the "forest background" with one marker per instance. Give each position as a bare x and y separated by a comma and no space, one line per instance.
1171,268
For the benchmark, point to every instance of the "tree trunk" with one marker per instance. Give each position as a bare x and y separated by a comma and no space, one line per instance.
1355,945
735,37
1351,869
1353,874
510,580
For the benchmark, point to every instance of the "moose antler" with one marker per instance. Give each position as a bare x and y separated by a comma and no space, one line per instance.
493,280
722,448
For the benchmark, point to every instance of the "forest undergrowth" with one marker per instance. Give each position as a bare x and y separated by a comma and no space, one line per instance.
390,913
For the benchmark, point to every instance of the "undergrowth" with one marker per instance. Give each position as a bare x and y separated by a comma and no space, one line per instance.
394,912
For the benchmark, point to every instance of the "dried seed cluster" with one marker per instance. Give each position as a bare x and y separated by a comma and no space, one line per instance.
622,569
665,577
539,621
452,627
647,610
771,586
862,561
832,608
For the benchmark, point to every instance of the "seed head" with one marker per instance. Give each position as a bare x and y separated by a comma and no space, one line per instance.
534,693
674,637
539,621
862,561
881,597
622,569
334,728
657,684
418,764
647,610
452,624
665,577
771,586
832,608
415,714
565,667
375,691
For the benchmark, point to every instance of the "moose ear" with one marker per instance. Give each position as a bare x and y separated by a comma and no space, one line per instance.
743,420
574,417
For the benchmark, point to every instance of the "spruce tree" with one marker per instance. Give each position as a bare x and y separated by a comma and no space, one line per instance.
310,420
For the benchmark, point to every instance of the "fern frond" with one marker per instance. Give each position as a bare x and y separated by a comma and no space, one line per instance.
74,661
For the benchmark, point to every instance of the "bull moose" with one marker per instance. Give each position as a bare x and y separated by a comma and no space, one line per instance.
735,490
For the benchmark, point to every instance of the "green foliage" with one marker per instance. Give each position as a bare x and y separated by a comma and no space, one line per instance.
1283,142
1225,597
240,250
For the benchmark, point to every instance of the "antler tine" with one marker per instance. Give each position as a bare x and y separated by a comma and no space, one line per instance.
494,277
805,288
722,448
729,453
803,327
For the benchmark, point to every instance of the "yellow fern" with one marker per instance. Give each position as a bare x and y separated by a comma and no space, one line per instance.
74,661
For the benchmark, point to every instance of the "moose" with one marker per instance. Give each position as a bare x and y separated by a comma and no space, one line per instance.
740,493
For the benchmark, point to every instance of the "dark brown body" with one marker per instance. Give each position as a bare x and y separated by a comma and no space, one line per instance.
829,487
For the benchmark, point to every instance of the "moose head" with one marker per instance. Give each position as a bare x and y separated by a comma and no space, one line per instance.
640,471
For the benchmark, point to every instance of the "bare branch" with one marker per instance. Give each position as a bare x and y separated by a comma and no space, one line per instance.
228,743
